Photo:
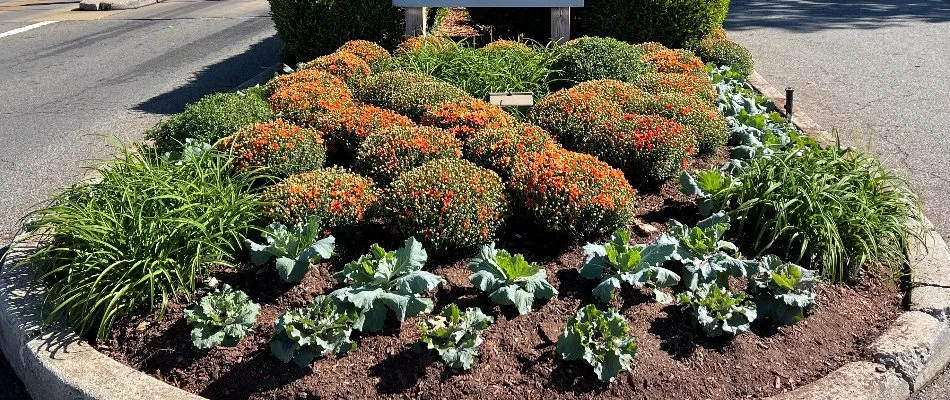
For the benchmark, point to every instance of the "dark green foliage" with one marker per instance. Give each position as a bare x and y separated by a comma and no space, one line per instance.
675,23
718,49
140,236
591,58
311,28
211,118
324,327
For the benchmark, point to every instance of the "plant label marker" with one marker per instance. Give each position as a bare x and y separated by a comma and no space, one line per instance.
512,99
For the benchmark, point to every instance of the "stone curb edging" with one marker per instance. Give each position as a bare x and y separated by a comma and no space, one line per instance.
55,364
106,5
914,350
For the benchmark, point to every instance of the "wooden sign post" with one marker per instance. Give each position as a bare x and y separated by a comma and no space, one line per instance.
560,12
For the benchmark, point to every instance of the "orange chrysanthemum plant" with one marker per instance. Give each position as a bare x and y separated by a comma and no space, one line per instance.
318,100
690,85
342,64
355,125
408,93
498,148
648,148
677,61
569,114
280,147
339,199
448,204
466,116
571,194
373,54
385,155
703,120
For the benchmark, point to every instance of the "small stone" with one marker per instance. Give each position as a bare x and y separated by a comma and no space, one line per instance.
645,229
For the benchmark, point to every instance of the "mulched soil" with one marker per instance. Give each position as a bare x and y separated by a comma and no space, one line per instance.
517,358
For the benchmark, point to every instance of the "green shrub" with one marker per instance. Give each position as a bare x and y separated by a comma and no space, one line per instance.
339,199
408,93
675,23
280,147
591,58
494,68
385,155
649,148
209,119
140,236
310,28
570,193
449,203
718,49
512,22
497,149
837,209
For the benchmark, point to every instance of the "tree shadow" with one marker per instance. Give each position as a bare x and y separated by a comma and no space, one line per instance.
220,77
817,15
679,339
574,376
257,373
400,372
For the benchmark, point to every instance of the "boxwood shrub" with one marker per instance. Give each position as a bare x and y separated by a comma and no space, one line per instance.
339,199
570,194
675,23
310,28
649,148
589,58
386,154
211,118
280,147
447,204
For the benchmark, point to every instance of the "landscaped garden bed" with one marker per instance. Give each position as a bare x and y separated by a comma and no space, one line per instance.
367,226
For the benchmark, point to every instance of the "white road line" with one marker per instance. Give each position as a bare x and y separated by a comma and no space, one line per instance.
25,28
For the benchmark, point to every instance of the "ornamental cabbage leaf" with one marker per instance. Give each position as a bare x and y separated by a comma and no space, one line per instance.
601,339
221,318
382,281
509,280
295,248
783,290
455,336
705,257
637,265
711,186
324,327
718,310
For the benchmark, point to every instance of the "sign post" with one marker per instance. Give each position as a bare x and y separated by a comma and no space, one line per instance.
560,12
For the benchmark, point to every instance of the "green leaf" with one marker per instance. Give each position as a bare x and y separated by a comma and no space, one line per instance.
292,270
601,339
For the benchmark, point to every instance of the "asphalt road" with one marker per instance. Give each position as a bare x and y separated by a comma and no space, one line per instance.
69,85
874,70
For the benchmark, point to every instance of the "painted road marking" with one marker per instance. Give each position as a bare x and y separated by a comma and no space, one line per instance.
25,28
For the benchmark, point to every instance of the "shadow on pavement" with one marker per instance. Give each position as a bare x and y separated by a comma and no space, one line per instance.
816,15
222,76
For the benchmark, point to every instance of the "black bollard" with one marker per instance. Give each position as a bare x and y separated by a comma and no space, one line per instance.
789,102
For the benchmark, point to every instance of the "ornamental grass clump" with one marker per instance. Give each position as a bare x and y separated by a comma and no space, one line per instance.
497,149
602,339
667,82
454,335
342,64
324,327
356,124
464,117
447,203
377,57
385,155
211,118
570,114
509,279
704,121
408,93
677,61
570,193
339,199
221,318
648,148
318,102
139,237
280,147
591,58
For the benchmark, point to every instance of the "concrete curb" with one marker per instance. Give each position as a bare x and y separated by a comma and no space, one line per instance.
106,5
913,351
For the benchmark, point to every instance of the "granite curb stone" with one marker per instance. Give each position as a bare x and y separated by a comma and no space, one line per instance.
106,5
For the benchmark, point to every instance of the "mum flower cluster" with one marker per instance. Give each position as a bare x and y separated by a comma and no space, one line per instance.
344,65
281,147
338,198
317,100
466,116
385,155
672,60
498,148
373,54
649,148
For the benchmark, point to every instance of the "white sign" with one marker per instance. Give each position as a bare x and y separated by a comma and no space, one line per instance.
513,99
489,3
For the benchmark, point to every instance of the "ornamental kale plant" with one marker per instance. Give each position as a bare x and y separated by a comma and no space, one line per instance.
454,335
637,265
221,318
509,279
718,310
295,248
303,334
706,258
601,339
711,186
783,290
382,281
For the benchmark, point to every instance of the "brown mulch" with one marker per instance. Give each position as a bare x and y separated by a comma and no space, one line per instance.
456,24
517,358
